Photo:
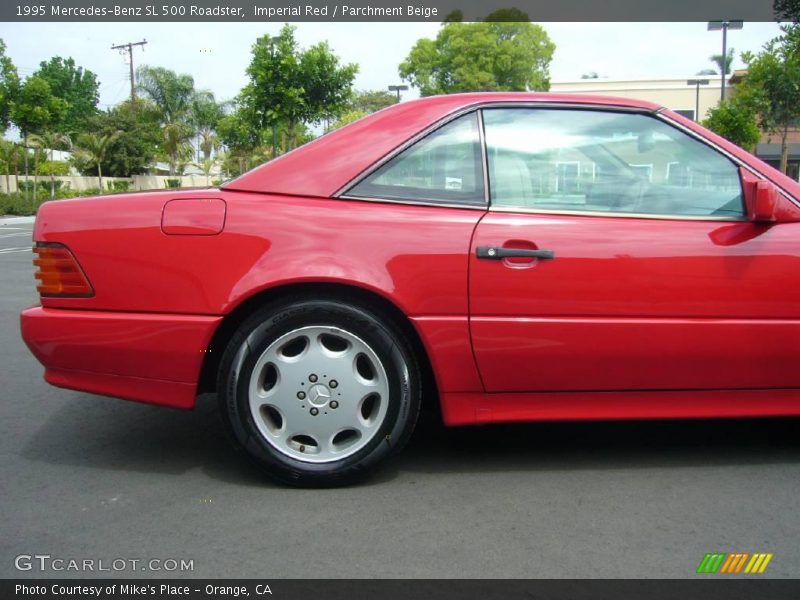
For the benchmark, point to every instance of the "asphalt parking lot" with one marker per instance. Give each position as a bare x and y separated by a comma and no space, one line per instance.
85,477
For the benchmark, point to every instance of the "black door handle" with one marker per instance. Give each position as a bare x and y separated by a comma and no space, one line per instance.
496,253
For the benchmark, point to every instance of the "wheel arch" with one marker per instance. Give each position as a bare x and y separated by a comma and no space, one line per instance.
346,292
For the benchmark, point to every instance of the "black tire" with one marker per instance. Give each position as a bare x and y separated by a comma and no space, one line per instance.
270,323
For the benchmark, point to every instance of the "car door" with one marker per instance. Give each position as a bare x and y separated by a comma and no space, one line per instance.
616,255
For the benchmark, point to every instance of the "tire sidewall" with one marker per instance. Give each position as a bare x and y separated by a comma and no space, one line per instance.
261,330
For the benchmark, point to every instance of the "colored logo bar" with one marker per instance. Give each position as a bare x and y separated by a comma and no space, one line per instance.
734,562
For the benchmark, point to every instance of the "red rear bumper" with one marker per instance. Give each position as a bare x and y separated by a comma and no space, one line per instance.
154,358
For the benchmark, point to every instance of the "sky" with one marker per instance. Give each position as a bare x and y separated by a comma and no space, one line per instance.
217,54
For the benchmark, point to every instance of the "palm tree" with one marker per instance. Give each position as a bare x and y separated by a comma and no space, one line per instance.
172,95
206,112
50,141
208,143
724,69
206,166
176,146
93,148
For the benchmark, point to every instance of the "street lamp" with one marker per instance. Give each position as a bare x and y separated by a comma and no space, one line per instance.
697,83
724,26
398,89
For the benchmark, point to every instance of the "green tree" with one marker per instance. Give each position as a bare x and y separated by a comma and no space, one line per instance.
240,138
77,86
717,60
274,92
349,117
787,10
9,159
36,110
49,141
772,86
92,148
327,84
172,95
9,87
134,149
369,101
246,146
736,122
289,86
235,131
363,103
493,55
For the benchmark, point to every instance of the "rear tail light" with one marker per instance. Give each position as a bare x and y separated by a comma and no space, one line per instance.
59,273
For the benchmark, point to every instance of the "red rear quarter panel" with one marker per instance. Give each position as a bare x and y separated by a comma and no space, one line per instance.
414,255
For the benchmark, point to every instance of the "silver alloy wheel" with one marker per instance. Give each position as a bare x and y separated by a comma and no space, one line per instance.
318,394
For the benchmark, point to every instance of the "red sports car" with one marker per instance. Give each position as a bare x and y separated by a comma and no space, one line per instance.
512,257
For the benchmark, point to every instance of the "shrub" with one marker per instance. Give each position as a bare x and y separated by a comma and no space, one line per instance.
53,167
119,185
43,186
216,182
736,122
95,191
19,204
172,184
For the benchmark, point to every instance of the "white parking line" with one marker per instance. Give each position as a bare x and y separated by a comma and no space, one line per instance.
8,235
12,250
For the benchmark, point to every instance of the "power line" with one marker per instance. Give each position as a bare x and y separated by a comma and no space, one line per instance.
129,47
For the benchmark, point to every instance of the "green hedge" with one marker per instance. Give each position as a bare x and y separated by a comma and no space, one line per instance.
119,185
22,204
43,185
19,204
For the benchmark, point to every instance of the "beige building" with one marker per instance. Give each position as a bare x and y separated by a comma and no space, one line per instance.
675,94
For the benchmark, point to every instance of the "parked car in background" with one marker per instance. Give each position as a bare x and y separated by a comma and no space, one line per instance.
511,257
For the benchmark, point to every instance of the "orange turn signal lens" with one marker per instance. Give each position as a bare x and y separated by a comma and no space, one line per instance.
58,272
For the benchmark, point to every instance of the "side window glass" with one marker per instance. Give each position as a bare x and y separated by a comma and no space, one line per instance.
595,161
444,166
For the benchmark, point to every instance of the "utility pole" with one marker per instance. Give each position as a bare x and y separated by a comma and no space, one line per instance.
129,47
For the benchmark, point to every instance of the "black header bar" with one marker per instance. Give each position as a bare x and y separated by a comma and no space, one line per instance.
281,11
